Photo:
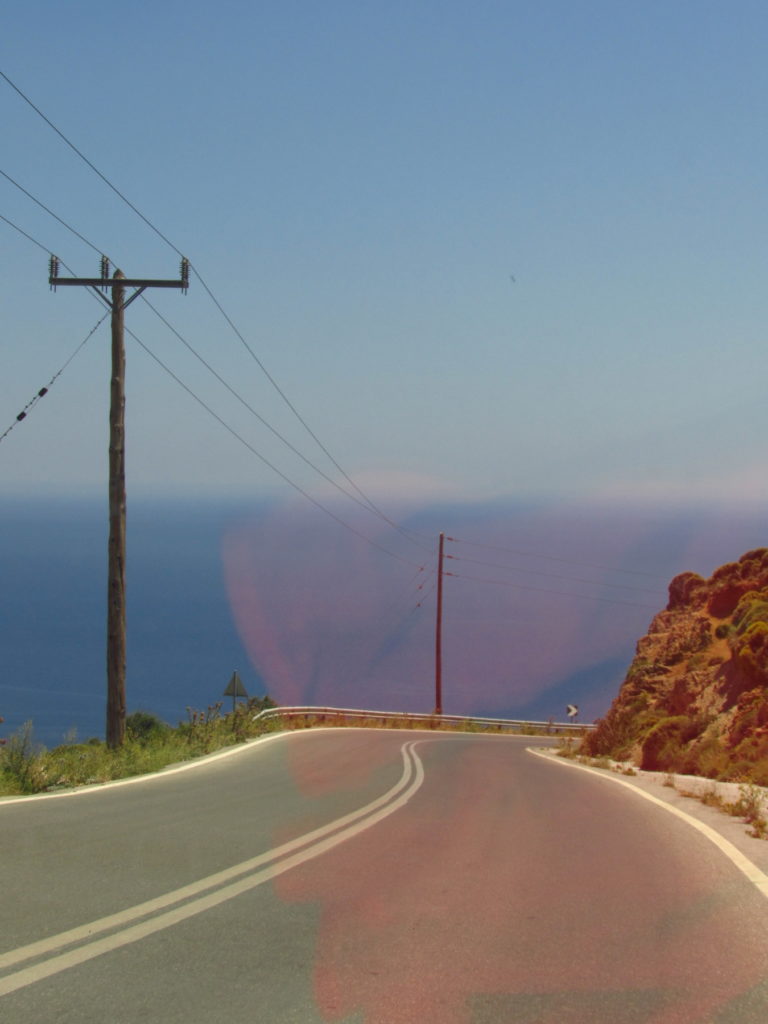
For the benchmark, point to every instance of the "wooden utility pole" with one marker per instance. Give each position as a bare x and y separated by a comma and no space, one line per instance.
439,632
116,634
116,639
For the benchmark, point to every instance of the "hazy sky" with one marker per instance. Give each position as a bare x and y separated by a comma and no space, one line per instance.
497,248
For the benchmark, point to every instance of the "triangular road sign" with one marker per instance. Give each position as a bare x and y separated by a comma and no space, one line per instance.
235,687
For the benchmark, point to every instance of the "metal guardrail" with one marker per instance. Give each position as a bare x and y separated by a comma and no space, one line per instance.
344,715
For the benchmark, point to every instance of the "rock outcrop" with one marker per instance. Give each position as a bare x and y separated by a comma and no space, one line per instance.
695,699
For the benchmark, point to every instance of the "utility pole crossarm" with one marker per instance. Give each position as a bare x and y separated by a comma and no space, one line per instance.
110,282
117,280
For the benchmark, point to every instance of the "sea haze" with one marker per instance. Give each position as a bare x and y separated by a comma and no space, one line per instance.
543,606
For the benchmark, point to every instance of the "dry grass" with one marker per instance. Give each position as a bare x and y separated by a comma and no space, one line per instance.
750,806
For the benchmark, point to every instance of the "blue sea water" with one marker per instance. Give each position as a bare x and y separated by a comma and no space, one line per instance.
182,643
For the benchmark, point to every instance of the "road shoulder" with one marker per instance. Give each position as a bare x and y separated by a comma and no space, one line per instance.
732,832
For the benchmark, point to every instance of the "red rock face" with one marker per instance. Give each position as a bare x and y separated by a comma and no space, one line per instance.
730,582
684,590
696,696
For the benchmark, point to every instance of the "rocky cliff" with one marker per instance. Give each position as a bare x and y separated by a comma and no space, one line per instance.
695,699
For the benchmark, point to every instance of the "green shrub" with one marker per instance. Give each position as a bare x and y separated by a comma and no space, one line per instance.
752,607
22,763
568,746
144,727
710,758
614,735
750,719
752,652
752,807
663,748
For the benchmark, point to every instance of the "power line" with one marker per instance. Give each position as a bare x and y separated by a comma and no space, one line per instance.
34,241
305,494
427,594
549,575
364,505
542,590
186,343
85,159
319,505
406,595
27,236
49,211
552,558
263,458
296,412
367,505
216,302
44,391
399,611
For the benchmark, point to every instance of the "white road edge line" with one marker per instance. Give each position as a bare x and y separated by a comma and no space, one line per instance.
349,826
757,877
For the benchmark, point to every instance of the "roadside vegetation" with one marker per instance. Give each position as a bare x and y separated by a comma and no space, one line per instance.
750,805
151,744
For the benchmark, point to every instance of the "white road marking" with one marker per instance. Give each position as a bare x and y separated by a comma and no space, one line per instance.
757,877
316,842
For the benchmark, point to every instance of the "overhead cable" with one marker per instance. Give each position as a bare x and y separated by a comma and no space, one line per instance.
218,305
550,575
542,590
49,211
24,233
44,391
262,458
296,451
85,159
552,558
363,504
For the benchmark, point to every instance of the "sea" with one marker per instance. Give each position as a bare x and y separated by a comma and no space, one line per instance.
182,643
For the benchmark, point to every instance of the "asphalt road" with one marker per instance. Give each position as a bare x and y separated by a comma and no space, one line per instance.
377,877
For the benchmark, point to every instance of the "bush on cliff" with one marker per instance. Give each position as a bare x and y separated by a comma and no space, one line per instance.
664,746
752,654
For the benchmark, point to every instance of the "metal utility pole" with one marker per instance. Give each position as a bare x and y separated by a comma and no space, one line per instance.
116,638
439,632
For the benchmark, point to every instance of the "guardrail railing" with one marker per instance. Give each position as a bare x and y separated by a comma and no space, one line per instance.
344,715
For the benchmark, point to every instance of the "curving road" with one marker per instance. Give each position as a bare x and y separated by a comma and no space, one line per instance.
378,877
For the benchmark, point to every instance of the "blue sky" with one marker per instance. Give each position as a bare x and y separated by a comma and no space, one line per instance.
359,184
